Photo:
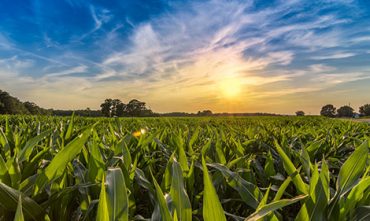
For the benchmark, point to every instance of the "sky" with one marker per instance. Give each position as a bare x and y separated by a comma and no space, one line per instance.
275,56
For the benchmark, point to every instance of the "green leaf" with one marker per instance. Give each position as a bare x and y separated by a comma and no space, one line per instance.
353,168
249,192
290,169
282,189
70,128
60,161
271,207
9,200
28,147
4,175
355,196
19,213
325,179
212,209
269,165
161,202
117,195
178,194
103,212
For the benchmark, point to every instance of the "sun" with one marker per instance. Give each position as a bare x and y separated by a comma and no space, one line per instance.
230,87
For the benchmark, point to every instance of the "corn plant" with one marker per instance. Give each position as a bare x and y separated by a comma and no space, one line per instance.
242,168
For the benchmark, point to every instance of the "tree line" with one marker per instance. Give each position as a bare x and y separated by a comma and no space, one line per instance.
135,108
330,110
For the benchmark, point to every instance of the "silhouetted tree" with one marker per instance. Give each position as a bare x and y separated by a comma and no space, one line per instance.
328,110
136,108
365,110
106,107
11,105
345,111
34,109
299,113
117,108
205,113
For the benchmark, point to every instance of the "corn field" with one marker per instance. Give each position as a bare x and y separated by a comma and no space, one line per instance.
244,168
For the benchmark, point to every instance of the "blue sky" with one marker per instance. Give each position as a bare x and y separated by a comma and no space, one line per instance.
224,55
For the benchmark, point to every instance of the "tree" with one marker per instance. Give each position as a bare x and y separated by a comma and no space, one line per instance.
345,111
365,110
328,110
117,108
136,108
299,113
120,109
106,107
11,105
32,108
205,113
112,107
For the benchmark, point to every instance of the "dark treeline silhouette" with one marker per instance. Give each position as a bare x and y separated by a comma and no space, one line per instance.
12,105
83,113
136,108
345,111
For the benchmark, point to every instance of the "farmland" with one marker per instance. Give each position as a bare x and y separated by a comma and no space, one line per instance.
243,168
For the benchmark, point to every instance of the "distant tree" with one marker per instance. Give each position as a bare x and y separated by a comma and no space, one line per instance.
33,108
116,108
120,109
106,107
365,110
345,111
299,113
328,110
136,108
11,105
205,113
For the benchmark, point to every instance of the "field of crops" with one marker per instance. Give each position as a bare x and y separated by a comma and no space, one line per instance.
257,168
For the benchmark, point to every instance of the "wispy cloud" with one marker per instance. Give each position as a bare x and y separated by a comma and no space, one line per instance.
337,55
186,53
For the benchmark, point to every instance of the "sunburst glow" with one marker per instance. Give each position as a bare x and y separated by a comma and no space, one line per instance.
231,87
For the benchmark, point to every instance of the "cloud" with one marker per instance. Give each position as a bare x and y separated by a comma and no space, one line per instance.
100,17
320,68
339,78
337,55
185,53
74,70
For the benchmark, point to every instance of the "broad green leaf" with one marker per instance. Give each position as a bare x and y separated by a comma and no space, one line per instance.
4,175
19,213
249,192
212,209
290,169
9,200
60,161
352,168
325,179
161,202
28,147
282,188
271,207
178,194
70,127
269,165
116,195
354,197
103,212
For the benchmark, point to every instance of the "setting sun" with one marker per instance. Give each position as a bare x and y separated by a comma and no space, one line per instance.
230,87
